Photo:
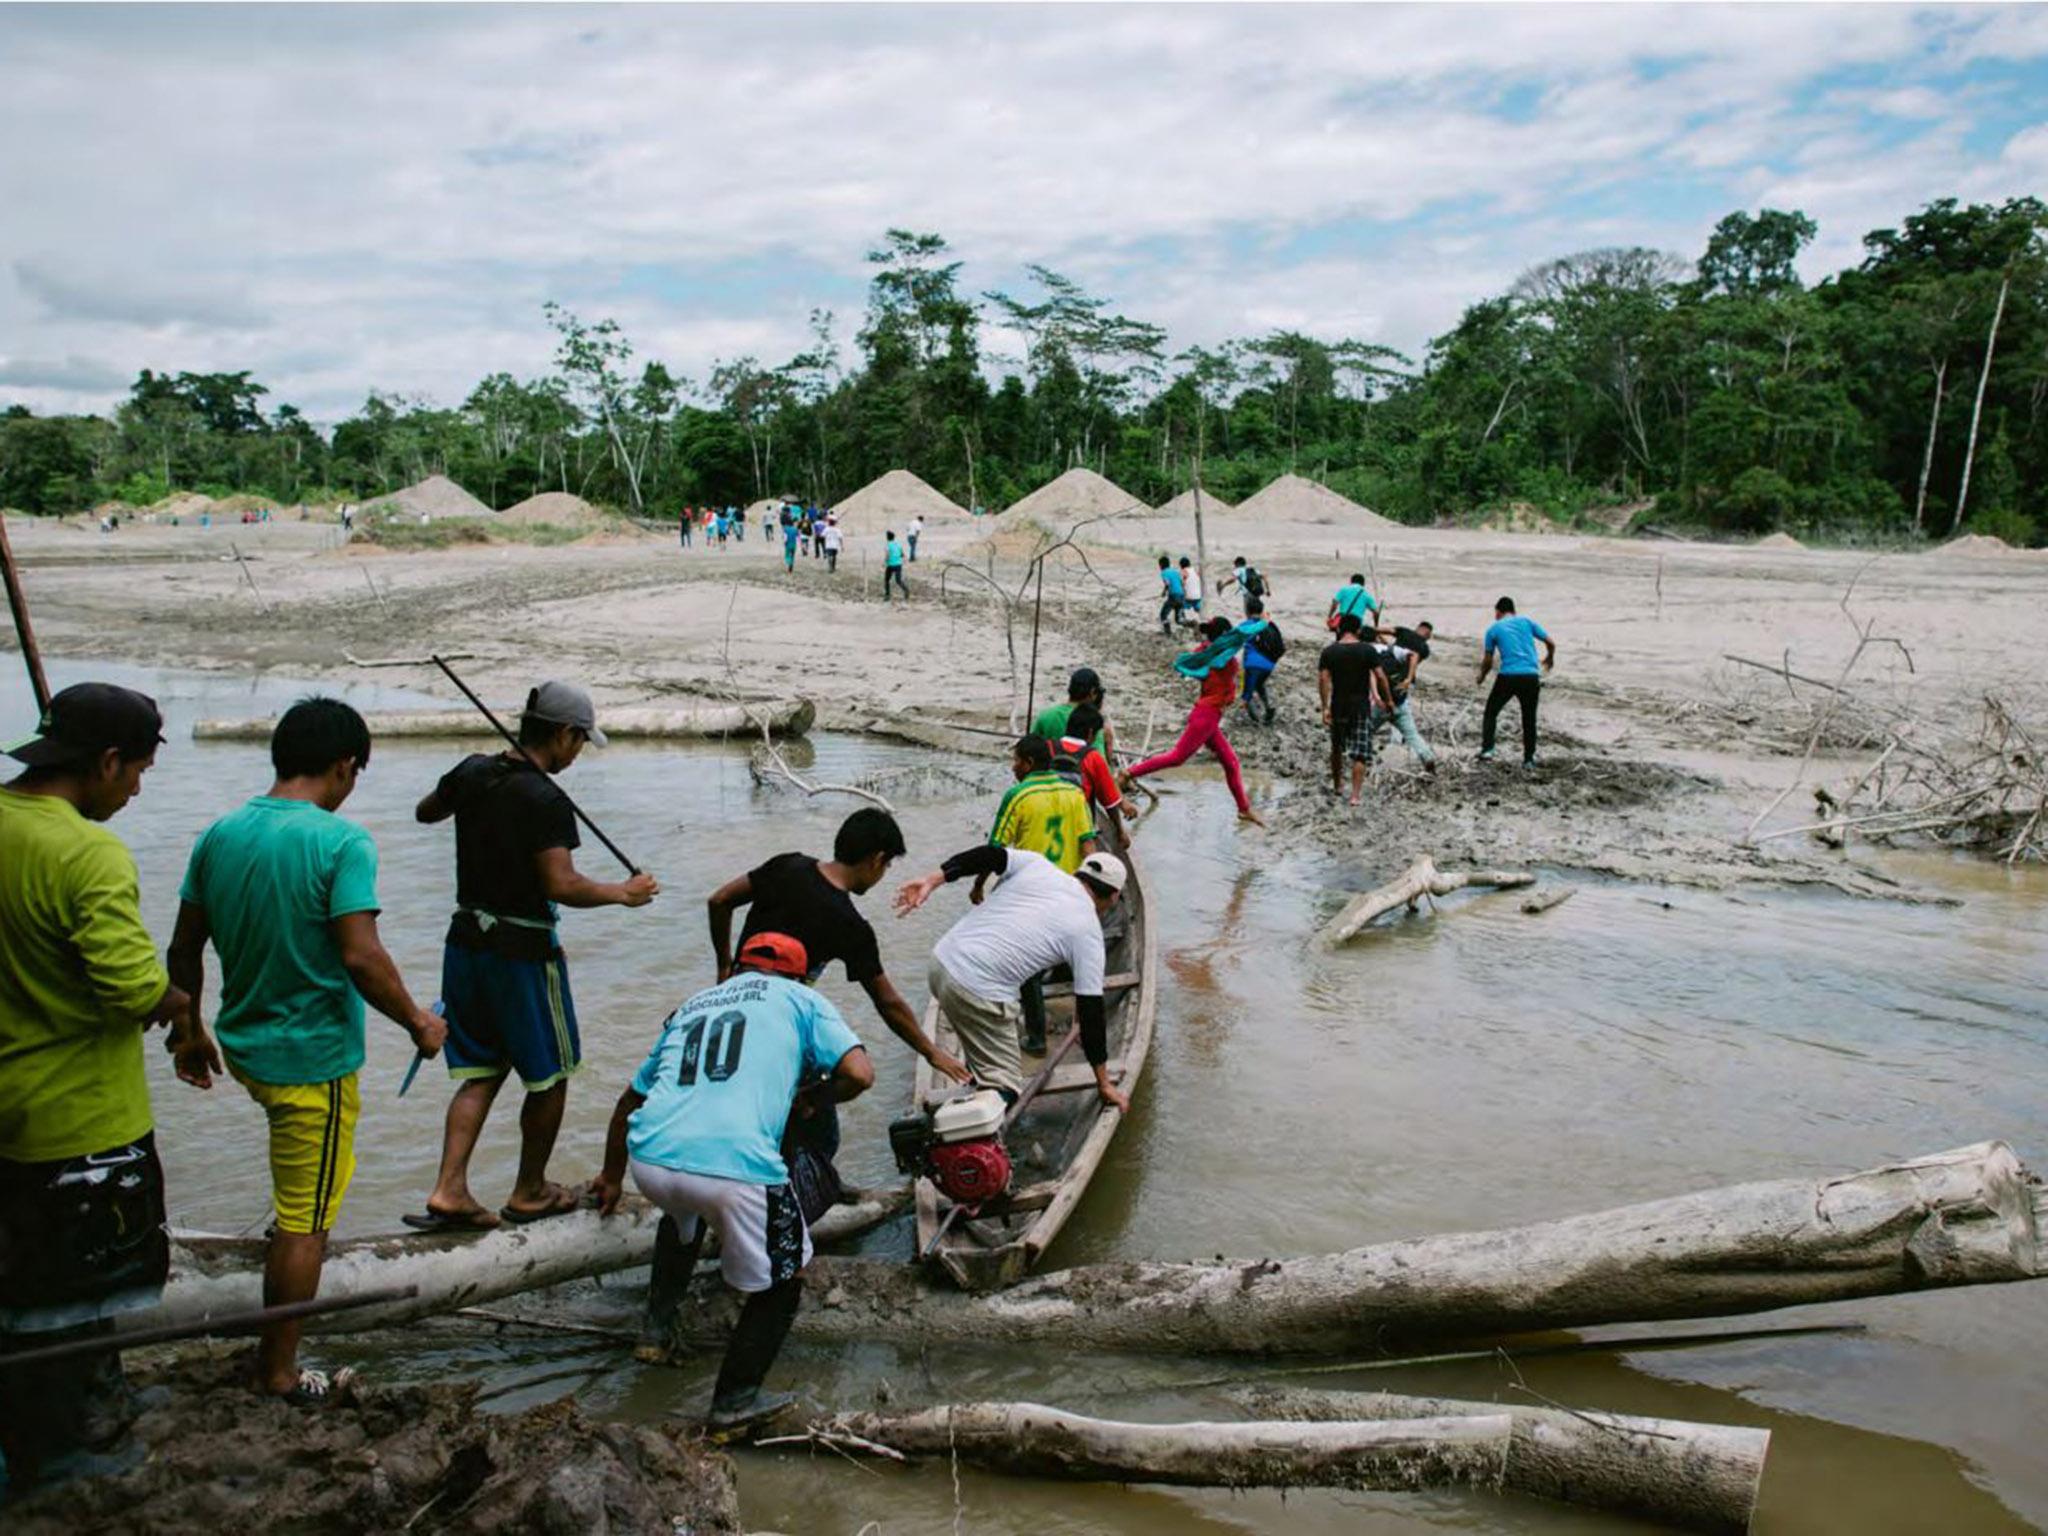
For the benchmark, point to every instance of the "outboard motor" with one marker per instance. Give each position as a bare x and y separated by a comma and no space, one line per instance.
958,1145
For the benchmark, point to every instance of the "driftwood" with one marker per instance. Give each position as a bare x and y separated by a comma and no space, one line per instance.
402,661
214,1276
1973,1216
1695,1477
1543,901
1034,1441
789,717
1420,879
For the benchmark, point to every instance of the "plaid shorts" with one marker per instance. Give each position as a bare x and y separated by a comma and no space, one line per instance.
1352,735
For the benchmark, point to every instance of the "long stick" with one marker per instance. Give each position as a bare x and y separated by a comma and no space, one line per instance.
232,1322
248,576
513,742
1037,606
25,631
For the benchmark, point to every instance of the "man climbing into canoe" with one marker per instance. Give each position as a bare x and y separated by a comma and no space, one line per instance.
1076,757
702,1125
287,893
1084,686
1215,665
504,981
1047,813
1034,919
82,1224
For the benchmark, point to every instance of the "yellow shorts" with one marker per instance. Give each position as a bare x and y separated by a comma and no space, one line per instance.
312,1148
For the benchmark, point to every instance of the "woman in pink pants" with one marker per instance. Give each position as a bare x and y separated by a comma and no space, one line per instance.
1216,664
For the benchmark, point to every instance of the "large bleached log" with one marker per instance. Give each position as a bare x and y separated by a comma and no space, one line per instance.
1034,1441
213,1276
1420,879
1968,1217
1695,1477
786,717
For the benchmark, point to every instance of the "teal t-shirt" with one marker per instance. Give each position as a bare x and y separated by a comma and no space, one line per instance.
720,1080
272,877
895,554
1352,598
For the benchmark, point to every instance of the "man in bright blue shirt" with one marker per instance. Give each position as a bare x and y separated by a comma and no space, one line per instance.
703,1123
790,531
1173,604
1513,639
892,567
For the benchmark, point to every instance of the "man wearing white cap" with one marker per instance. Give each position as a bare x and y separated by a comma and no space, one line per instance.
503,978
1037,917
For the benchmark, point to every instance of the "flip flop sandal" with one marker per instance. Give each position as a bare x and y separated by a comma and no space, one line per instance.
449,1221
317,1389
565,1204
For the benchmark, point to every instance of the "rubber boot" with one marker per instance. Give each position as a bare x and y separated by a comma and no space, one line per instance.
674,1262
1032,1000
736,1398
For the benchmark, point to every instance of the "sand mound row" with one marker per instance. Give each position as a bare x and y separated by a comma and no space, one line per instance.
182,504
436,497
1294,499
1183,505
1076,494
1973,546
1777,541
557,508
891,501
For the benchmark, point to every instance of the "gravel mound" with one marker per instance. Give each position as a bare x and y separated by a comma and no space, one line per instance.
1293,499
1076,494
1183,505
181,504
891,501
436,496
1777,541
1973,546
558,508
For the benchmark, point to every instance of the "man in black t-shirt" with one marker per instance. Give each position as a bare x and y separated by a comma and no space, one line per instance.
504,983
1352,685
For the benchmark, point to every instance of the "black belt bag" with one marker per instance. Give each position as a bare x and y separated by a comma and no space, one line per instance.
83,1228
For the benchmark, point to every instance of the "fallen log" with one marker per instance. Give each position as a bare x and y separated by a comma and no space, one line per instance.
1543,901
1695,1477
1420,879
1033,1441
1968,1217
216,1276
634,722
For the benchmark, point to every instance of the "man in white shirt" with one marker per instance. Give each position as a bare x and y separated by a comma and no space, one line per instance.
916,528
1037,917
835,540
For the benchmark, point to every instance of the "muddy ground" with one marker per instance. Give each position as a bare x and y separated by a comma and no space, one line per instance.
1658,751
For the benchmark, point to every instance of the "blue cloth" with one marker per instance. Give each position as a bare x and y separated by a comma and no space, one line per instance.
789,536
1175,587
1255,660
506,1013
1213,657
720,1080
1514,639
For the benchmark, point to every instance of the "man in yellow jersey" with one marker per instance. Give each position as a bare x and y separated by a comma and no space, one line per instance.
1047,814
81,1191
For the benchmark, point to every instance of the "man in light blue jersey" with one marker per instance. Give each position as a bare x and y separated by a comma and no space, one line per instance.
1513,639
703,1124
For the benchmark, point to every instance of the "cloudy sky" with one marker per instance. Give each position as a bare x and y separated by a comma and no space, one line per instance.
344,199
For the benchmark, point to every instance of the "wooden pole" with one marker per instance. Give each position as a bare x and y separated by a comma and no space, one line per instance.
1037,608
24,631
232,1322
249,577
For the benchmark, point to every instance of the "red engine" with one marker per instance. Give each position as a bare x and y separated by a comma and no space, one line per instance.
970,1172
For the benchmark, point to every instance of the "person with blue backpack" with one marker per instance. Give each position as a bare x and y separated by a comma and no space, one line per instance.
1263,648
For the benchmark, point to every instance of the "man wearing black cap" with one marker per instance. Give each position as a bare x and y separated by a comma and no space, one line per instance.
504,982
1084,687
81,1191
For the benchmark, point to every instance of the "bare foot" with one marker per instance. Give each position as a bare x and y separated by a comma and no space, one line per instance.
1250,816
1356,802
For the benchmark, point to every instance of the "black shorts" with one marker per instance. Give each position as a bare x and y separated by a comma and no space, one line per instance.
83,1229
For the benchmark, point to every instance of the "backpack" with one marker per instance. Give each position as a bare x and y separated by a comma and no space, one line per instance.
1269,644
1253,584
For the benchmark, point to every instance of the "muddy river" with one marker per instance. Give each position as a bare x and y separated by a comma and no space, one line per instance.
1477,1068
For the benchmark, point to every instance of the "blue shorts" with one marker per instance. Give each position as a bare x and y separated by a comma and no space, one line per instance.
506,1014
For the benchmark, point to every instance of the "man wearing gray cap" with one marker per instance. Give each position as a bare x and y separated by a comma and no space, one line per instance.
504,983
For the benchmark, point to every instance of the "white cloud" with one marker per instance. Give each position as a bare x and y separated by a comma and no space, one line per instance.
348,198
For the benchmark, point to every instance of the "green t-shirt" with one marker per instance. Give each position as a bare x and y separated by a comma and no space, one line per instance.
271,878
77,974
1051,724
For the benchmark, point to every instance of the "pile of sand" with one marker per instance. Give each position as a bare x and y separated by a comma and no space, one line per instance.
891,501
560,509
1972,545
1777,541
1521,517
1293,499
436,496
1077,494
1183,505
772,505
1619,517
181,504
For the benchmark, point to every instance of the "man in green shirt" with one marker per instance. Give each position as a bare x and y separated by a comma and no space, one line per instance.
287,891
81,1191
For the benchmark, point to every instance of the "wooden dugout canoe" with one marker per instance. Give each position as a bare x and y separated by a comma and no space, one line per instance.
641,722
1058,1140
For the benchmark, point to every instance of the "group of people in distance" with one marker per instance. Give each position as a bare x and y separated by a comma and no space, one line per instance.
808,530
735,1098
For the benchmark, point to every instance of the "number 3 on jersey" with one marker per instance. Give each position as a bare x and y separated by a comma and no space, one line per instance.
718,1050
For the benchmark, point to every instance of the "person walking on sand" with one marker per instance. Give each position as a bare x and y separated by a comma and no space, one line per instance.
83,1232
724,527
1351,684
1354,599
287,893
1173,596
683,525
832,539
1191,589
1402,653
1512,639
1215,664
1264,645
1248,580
892,567
791,532
701,1129
914,531
504,982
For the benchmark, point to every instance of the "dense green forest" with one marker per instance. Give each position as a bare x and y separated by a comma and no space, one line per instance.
1907,394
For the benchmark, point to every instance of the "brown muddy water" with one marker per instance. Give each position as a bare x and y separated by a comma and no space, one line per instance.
1473,1069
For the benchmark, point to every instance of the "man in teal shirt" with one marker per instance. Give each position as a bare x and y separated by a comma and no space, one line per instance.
287,891
1353,599
892,568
